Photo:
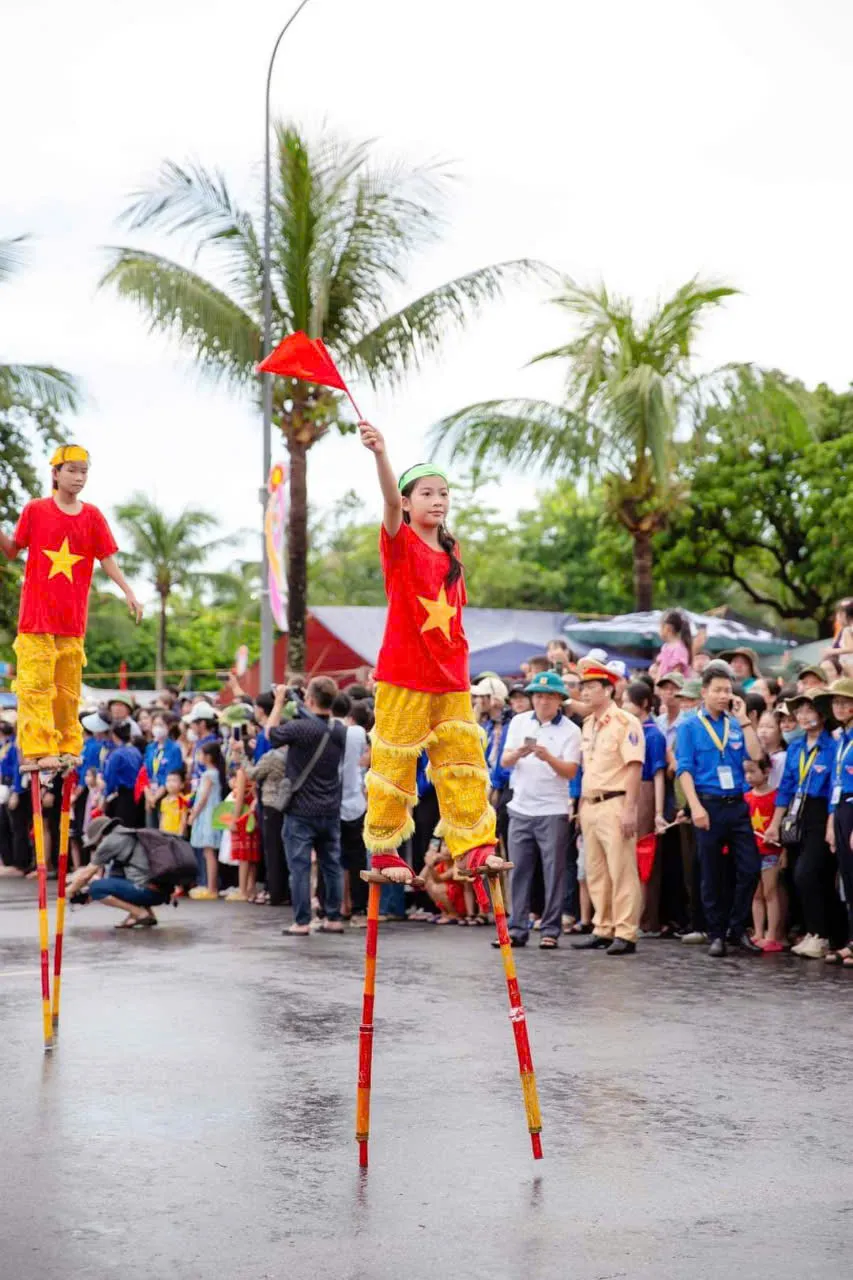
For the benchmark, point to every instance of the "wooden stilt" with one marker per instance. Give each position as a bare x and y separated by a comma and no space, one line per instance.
519,1021
365,1032
44,936
68,783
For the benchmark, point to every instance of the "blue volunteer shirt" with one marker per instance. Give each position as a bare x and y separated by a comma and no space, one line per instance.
161,759
814,765
10,773
494,752
842,774
122,768
91,755
655,750
262,746
198,765
698,754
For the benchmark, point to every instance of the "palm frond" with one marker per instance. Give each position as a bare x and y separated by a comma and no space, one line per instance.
224,339
12,255
521,433
672,330
401,341
640,415
39,384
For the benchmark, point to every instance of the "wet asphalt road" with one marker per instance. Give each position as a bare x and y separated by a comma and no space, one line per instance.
196,1118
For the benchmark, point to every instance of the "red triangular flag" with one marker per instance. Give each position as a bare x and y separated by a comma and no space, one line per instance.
299,356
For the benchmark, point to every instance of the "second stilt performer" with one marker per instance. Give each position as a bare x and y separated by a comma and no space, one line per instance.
423,700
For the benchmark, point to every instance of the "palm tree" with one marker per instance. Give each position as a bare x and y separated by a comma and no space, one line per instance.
236,598
627,382
343,232
32,385
170,553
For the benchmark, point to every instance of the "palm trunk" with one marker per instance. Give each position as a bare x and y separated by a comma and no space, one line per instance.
297,554
643,562
161,644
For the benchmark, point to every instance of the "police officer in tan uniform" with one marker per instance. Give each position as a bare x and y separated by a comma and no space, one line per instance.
613,749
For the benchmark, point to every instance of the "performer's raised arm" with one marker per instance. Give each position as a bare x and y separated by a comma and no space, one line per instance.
392,517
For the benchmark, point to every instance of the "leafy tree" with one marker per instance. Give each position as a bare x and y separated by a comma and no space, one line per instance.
770,506
343,234
236,600
170,553
628,381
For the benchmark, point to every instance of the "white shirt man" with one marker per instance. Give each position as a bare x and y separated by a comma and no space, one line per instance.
543,748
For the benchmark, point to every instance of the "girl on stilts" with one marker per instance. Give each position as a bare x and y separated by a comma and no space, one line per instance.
423,700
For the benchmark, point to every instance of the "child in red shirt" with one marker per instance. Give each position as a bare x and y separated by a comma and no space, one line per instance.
64,537
767,905
423,700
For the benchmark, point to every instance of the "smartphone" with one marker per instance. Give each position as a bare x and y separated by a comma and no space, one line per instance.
530,742
235,733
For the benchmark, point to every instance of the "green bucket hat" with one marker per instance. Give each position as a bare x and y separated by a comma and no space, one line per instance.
842,688
547,682
418,472
690,689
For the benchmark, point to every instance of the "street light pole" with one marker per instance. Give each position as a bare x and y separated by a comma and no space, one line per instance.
266,378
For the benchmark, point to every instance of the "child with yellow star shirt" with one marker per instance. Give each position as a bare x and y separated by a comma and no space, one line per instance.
423,695
63,537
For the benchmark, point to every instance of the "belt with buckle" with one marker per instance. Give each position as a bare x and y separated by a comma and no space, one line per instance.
603,795
708,797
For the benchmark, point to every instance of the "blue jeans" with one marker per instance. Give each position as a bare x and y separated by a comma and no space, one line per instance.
323,834
136,895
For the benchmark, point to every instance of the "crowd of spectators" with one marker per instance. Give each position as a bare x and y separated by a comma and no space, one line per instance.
697,800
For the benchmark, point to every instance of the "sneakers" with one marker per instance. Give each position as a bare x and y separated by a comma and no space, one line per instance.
234,895
812,947
798,949
203,895
694,939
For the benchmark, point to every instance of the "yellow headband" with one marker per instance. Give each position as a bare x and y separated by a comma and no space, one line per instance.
69,453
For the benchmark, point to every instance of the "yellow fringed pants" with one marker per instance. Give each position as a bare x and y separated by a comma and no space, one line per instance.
408,722
48,680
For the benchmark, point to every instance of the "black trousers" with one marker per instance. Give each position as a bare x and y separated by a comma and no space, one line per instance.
426,817
20,819
727,912
815,869
844,854
278,877
354,861
6,855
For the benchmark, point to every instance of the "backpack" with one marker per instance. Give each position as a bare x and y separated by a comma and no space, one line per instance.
171,861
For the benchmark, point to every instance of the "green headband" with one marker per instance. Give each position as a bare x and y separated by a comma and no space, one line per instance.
417,473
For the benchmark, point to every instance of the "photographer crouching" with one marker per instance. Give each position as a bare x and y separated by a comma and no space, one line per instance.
118,875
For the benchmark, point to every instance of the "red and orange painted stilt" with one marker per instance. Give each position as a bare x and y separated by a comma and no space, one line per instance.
44,936
365,1031
68,783
517,1017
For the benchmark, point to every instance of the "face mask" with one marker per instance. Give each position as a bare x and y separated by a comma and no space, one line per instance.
192,736
791,735
159,732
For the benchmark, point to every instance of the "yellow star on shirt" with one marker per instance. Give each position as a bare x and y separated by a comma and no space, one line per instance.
759,822
439,614
62,561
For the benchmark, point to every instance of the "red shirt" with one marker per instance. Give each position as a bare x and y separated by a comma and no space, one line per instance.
62,554
761,811
424,646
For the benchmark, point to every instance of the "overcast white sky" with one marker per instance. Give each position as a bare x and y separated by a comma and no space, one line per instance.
635,143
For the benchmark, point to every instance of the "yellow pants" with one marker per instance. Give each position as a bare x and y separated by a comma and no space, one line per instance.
408,722
49,676
612,877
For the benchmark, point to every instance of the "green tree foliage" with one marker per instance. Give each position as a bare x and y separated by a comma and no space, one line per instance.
628,379
770,506
344,232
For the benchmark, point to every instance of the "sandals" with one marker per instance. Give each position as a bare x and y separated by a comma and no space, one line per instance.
843,956
547,943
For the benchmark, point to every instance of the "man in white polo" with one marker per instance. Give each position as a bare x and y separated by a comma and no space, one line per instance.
543,748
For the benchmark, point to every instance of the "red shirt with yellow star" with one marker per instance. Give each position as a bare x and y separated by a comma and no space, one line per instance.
62,553
424,646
